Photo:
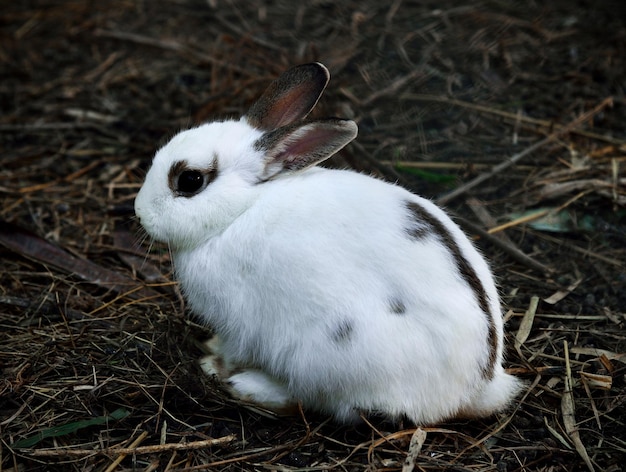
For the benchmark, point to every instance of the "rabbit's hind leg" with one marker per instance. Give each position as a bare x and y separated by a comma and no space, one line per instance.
250,386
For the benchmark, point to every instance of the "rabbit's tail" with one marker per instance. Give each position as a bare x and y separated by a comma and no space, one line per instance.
496,395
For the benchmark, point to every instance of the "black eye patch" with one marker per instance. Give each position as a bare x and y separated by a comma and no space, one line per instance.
187,182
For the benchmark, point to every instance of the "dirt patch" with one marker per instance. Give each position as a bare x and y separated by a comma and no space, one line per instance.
443,94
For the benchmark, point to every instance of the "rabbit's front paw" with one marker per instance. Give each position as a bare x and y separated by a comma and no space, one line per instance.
213,364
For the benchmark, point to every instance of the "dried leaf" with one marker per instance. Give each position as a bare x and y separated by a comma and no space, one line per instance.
606,363
592,351
526,324
616,318
123,240
555,190
561,294
415,447
603,382
29,245
553,220
568,410
556,434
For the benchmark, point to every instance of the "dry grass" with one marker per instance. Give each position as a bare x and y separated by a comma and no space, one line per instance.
96,353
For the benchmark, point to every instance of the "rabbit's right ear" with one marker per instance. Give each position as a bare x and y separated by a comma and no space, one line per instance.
296,147
289,98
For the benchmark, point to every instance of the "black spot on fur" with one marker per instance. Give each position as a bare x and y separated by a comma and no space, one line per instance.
417,230
397,307
428,221
343,332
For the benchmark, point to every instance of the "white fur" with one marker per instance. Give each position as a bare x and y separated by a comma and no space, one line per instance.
296,276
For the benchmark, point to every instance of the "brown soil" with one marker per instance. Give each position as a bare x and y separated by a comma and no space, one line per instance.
443,92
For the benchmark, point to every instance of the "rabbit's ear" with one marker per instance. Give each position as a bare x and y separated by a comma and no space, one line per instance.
289,98
297,147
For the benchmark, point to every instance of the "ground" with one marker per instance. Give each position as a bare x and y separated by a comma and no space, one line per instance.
509,114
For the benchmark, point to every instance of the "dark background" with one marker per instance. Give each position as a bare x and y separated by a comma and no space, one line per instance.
442,92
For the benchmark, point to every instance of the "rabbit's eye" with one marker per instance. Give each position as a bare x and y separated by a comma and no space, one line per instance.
190,182
185,181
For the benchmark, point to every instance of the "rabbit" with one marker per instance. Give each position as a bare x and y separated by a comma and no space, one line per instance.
327,289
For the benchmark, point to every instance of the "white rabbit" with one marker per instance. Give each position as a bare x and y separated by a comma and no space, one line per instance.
325,287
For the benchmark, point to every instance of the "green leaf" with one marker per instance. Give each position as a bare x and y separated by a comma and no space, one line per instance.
69,428
554,221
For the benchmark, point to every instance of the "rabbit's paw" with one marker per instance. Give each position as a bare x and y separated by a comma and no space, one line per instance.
257,387
213,364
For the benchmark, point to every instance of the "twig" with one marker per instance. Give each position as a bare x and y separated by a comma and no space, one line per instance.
30,127
512,251
169,45
134,450
529,150
392,88
606,259
387,171
444,165
123,455
514,117
240,32
503,424
501,239
244,457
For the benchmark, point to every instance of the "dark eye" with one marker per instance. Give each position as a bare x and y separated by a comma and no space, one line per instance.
186,181
190,182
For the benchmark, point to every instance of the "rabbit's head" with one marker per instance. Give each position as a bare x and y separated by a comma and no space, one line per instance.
207,176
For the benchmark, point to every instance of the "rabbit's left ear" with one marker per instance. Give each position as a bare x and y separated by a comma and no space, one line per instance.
289,98
296,147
